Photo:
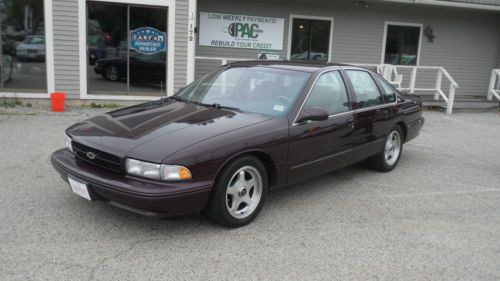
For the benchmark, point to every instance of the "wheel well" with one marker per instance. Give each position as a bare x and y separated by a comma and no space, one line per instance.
403,127
266,160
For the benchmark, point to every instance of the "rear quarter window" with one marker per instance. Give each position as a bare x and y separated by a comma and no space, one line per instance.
387,91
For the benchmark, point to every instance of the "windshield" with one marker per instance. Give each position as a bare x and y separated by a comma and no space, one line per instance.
262,90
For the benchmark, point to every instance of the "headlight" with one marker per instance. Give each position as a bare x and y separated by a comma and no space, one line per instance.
157,171
68,143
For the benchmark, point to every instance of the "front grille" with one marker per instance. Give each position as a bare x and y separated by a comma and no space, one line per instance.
102,159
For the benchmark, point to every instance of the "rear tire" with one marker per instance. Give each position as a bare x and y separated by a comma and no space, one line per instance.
239,192
389,157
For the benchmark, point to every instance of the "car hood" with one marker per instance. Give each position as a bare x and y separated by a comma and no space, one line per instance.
155,130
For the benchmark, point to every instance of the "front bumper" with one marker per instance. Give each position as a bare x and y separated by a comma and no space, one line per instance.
145,197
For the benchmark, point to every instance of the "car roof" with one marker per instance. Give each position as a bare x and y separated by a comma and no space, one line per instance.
306,66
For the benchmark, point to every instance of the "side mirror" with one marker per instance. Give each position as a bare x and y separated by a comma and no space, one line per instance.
312,114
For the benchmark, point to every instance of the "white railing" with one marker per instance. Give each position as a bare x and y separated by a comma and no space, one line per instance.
391,74
494,88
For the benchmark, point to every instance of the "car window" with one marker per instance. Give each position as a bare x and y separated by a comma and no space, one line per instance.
387,91
365,89
35,40
329,93
257,89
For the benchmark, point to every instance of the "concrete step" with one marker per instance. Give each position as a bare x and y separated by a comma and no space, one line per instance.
462,103
426,97
464,106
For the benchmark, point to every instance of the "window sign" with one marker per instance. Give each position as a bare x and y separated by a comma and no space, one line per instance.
268,55
147,40
241,31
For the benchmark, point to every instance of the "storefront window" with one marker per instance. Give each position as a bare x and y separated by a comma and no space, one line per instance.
402,43
127,49
22,59
310,39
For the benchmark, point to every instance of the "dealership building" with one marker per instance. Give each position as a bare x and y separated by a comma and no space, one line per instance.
138,50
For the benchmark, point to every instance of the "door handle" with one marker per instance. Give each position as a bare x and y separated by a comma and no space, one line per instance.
350,123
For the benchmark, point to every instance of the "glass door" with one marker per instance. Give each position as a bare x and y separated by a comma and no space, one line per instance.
310,39
127,49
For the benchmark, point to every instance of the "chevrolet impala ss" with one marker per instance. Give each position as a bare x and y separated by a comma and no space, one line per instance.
224,141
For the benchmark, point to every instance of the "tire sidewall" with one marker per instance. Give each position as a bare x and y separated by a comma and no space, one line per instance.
388,167
218,209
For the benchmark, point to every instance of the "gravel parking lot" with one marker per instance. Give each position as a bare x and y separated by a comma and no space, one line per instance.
435,217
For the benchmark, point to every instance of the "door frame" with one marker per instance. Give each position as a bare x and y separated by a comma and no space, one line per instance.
308,17
82,22
384,38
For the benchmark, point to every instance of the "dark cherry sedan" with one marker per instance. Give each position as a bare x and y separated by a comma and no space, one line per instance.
224,141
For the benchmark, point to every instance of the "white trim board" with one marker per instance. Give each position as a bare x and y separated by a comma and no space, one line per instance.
384,38
49,46
191,44
290,30
82,30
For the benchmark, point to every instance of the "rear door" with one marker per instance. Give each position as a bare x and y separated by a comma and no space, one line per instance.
372,115
321,146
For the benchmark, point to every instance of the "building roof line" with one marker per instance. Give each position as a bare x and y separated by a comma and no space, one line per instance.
446,3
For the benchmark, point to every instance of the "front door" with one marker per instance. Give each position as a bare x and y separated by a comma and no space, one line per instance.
310,39
321,146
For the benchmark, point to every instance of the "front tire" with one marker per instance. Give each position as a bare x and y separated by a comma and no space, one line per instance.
239,192
389,157
112,73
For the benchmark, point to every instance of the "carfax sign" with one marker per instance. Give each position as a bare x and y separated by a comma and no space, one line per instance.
241,31
148,40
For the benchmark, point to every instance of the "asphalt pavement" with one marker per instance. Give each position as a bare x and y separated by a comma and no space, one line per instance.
435,217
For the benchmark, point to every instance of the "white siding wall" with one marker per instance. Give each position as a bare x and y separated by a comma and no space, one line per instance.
66,47
181,31
467,41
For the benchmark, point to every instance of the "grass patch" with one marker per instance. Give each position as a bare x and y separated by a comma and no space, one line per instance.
10,102
101,105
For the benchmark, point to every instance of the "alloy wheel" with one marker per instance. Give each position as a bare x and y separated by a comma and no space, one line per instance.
112,73
244,192
392,148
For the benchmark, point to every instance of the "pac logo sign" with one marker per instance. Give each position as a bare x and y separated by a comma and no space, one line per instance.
148,40
244,30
